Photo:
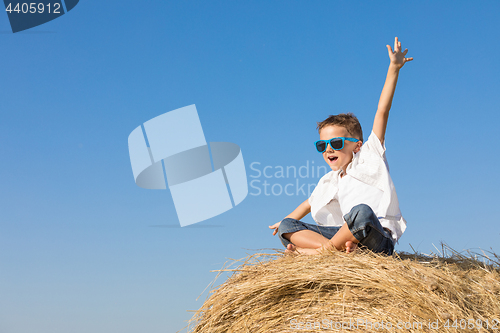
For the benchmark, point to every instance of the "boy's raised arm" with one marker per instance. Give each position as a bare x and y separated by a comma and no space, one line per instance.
384,105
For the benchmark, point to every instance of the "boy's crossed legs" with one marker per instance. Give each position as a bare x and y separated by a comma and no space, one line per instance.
310,242
362,226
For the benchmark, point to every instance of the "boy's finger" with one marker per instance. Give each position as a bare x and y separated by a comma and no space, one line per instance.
405,52
389,49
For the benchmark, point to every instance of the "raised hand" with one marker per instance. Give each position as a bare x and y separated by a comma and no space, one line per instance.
397,57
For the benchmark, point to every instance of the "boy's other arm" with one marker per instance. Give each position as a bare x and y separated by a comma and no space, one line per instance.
384,105
302,210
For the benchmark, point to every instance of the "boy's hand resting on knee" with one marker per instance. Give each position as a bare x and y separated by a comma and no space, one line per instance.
275,227
302,210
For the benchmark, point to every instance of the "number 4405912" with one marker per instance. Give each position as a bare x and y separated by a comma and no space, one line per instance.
34,8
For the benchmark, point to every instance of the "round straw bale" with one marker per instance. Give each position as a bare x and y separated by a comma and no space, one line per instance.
357,292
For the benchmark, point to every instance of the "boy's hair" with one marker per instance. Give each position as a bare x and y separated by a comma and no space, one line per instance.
346,120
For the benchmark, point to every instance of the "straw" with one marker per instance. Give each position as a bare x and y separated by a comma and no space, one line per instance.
357,292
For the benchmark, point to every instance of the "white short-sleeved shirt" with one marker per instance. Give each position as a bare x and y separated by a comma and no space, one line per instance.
367,181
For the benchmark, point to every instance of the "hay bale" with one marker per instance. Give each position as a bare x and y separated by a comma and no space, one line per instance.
356,292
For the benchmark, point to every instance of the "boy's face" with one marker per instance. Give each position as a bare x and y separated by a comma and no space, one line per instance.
338,159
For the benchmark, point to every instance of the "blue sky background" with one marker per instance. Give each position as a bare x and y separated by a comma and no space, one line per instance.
83,249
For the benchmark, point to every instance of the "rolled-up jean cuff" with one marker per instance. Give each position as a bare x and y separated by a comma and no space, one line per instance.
290,225
366,228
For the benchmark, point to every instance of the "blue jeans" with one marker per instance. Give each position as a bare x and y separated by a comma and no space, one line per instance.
362,222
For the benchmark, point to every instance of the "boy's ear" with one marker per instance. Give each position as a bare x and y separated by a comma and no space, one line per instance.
358,146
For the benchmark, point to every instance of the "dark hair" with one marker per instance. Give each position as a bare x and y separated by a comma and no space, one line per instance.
346,120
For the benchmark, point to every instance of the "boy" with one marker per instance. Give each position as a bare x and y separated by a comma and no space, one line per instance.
355,203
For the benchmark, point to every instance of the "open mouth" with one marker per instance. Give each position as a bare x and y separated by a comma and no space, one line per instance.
332,158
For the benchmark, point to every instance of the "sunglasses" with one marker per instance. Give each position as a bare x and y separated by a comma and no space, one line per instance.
335,143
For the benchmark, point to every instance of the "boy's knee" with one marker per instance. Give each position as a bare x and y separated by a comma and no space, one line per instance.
360,217
287,227
284,230
362,211
285,223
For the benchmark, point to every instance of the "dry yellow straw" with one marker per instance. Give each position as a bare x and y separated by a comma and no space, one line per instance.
357,292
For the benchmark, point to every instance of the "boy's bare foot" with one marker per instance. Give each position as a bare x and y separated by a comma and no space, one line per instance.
295,250
350,246
291,249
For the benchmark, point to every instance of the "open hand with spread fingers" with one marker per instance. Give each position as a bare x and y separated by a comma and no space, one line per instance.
397,57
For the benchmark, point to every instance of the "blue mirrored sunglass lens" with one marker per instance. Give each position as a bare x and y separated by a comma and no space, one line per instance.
320,146
336,144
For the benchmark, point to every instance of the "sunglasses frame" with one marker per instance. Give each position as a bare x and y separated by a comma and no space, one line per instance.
328,142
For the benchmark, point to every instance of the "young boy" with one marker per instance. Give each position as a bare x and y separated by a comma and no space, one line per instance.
355,203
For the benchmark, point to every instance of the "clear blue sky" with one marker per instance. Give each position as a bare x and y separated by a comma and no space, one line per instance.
83,249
